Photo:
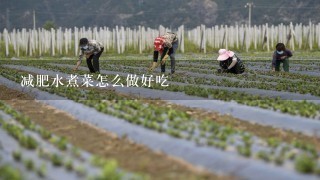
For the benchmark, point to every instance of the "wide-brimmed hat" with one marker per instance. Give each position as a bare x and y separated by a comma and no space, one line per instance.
224,54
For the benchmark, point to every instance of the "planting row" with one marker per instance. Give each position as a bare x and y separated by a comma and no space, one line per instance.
228,80
274,81
204,132
299,85
48,155
302,108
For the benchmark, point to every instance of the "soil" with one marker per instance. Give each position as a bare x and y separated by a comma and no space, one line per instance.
261,131
129,155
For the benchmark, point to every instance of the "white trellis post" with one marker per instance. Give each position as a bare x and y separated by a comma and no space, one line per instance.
76,40
6,40
311,35
268,37
182,39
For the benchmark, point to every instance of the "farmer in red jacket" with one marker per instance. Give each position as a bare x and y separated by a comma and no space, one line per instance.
165,45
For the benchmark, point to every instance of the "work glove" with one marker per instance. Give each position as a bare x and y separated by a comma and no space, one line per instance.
153,66
163,61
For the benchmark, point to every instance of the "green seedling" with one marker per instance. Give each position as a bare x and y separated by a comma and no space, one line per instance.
244,150
16,155
42,171
264,156
305,164
272,142
56,160
247,139
44,134
29,164
109,171
28,142
7,172
62,144
69,165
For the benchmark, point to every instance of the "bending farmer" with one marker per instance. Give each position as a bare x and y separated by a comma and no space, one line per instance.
281,55
229,62
165,45
92,50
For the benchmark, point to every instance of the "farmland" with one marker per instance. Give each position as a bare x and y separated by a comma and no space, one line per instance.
197,123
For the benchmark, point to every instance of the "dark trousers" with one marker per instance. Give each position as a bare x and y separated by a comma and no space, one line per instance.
171,53
93,62
285,63
239,68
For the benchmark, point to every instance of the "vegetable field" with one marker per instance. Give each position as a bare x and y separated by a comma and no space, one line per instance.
126,123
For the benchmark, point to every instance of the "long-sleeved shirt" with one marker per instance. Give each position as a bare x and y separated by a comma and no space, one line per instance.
168,38
286,53
229,63
94,47
233,64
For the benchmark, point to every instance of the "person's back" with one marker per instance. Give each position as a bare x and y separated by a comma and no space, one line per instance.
229,62
165,46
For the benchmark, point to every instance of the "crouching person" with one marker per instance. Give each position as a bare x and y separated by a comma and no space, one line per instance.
92,49
229,62
281,55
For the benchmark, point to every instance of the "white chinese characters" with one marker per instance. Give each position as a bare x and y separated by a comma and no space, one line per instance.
88,80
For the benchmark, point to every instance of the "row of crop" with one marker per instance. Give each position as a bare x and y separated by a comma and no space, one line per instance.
297,84
292,68
68,157
213,66
249,81
204,132
303,108
211,77
191,66
210,68
141,66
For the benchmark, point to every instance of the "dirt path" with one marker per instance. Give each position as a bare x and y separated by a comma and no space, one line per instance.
130,156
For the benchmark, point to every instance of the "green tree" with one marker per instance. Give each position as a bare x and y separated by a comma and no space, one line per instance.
48,25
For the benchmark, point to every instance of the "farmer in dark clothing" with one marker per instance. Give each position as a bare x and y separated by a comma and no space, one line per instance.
92,49
281,55
229,62
165,45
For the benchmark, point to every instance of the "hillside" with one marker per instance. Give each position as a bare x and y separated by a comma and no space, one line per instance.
153,12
